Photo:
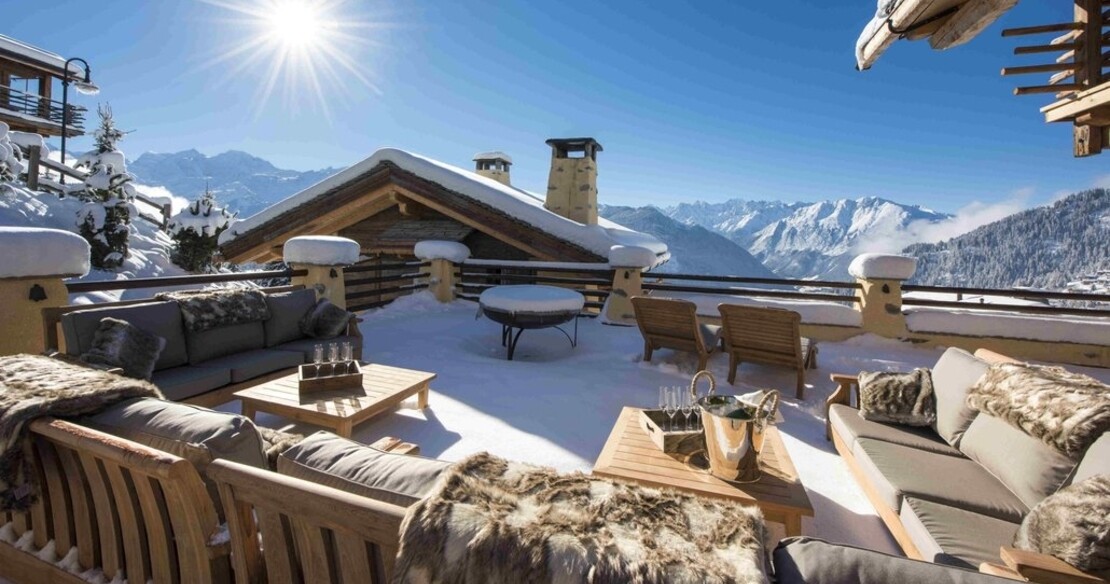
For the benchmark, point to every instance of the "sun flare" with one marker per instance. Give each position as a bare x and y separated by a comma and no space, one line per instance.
297,24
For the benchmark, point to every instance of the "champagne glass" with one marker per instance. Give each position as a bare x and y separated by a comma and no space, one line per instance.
318,357
687,407
671,407
348,357
333,357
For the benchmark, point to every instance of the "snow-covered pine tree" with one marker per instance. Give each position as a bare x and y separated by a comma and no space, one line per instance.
105,219
196,231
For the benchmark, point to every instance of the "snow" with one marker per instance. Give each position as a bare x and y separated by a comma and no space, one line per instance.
528,264
520,204
629,256
811,311
974,298
27,140
38,55
202,217
1009,325
451,251
493,155
321,250
531,298
30,252
883,266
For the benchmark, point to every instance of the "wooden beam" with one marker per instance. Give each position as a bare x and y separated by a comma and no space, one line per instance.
1060,27
1088,140
1045,48
969,21
1079,104
1046,68
1088,54
1047,88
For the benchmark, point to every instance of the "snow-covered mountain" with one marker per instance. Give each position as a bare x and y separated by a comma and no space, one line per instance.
805,240
240,181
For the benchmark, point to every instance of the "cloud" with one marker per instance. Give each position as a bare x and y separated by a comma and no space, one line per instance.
1102,182
162,194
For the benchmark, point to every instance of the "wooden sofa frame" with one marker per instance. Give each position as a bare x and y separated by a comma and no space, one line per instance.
52,318
1016,564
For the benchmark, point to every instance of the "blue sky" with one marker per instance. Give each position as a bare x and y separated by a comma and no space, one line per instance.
691,100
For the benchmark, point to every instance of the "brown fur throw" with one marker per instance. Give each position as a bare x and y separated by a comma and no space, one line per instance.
1065,410
1073,525
33,386
208,309
499,522
275,442
898,398
118,343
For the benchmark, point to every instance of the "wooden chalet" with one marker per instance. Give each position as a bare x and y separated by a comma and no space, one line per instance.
1077,61
28,76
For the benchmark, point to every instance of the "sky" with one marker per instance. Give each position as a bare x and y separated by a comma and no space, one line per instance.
691,100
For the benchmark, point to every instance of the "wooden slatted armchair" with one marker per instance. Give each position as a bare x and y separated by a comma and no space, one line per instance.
667,323
766,335
309,532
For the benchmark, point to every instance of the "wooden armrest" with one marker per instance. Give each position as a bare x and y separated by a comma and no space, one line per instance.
1045,569
842,395
1000,571
992,357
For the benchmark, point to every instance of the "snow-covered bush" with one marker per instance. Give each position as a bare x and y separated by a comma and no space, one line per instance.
196,231
105,220
11,165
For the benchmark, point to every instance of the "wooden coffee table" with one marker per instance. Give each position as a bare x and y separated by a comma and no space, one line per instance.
383,387
630,454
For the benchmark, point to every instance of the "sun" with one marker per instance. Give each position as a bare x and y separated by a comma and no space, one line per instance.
298,24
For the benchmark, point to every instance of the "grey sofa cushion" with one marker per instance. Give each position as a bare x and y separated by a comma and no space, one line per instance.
897,471
226,340
327,459
305,346
1096,461
953,375
850,426
158,318
805,560
954,536
325,321
250,364
182,383
1027,466
286,311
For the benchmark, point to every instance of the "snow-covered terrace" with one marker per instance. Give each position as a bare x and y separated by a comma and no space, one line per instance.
554,405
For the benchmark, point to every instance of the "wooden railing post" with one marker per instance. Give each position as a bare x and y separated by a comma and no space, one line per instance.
323,258
442,257
880,277
34,153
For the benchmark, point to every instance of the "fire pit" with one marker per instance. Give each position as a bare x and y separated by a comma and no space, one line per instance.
531,307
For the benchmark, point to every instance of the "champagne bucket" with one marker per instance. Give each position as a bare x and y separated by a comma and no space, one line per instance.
734,430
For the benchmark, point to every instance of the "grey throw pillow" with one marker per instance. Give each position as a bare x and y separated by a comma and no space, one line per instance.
118,343
899,398
325,321
1072,525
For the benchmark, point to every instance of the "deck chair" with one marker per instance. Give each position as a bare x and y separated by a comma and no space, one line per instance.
667,323
766,335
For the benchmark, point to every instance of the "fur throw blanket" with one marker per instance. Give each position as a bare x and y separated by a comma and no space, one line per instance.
1065,410
898,398
33,386
208,309
1073,524
494,521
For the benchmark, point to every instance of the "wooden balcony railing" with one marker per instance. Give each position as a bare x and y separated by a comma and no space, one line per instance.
43,108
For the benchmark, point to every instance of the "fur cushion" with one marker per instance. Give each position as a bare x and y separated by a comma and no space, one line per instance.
204,310
494,521
1065,410
274,442
118,343
899,398
1073,525
325,321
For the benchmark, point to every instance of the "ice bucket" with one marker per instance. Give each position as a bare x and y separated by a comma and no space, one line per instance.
733,430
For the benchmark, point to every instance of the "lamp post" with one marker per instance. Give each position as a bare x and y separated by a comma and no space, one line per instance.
84,86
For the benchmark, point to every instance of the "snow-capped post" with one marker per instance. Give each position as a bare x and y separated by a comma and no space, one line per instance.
441,257
628,263
880,277
323,257
105,220
32,269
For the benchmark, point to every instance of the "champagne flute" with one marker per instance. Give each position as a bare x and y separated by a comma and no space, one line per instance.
671,407
318,357
663,392
348,357
687,406
333,357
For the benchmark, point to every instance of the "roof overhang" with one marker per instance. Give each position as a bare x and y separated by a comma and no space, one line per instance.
946,23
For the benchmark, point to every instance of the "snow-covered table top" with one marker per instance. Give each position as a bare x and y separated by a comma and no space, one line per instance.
531,298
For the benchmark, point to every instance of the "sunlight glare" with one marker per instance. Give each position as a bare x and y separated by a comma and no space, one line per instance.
296,23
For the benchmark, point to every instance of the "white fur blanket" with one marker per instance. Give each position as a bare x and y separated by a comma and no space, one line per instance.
493,521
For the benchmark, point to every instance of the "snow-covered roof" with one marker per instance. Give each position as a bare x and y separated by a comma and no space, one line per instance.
493,155
517,203
36,55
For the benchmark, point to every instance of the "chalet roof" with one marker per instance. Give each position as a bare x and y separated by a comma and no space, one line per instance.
35,57
518,204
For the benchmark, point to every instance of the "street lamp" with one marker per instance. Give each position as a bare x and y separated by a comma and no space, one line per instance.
84,86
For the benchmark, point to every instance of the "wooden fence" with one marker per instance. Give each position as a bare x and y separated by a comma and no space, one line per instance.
376,283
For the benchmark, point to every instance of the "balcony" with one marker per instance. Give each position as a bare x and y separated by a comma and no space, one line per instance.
34,113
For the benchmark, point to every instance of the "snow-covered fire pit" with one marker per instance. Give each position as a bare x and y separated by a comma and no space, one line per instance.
531,307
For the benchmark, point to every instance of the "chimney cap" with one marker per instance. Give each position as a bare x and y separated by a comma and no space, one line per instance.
574,144
493,155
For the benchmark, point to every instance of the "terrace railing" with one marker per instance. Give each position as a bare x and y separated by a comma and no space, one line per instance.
373,285
594,281
262,278
43,108
812,290
1054,303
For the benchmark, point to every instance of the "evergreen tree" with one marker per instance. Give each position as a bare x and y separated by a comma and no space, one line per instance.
105,219
196,231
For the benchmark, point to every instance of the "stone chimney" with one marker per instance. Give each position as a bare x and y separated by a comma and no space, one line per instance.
572,182
493,165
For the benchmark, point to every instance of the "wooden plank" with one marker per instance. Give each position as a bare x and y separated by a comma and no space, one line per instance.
163,562
55,488
111,548
132,527
968,22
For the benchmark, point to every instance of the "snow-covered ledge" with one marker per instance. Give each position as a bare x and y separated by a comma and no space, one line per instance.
628,263
880,277
323,257
441,257
32,267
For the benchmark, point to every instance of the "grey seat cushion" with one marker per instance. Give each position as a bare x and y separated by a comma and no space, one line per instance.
897,471
250,364
305,346
806,560
850,426
159,318
1096,461
286,311
225,340
327,459
955,536
1028,467
953,375
182,383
